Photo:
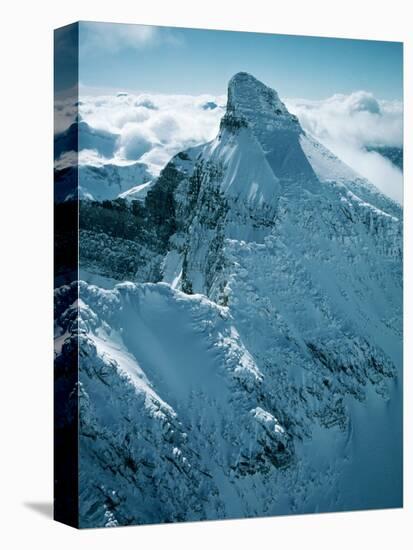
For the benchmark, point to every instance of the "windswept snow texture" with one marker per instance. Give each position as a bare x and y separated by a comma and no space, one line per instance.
252,364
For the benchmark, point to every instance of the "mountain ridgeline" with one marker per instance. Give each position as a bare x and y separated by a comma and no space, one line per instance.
240,332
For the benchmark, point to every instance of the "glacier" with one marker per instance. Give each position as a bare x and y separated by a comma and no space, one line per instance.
238,331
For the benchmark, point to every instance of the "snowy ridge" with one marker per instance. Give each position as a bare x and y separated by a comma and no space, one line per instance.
257,105
174,364
330,169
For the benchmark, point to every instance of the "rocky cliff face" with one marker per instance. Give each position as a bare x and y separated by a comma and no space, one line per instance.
252,366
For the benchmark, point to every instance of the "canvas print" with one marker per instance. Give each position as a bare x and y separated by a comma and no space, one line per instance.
228,274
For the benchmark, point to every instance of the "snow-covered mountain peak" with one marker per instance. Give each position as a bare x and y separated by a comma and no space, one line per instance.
253,363
246,92
257,110
256,104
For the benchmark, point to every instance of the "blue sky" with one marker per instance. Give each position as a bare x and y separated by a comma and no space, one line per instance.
117,57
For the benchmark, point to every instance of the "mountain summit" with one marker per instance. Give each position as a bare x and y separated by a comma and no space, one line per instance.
257,116
256,103
257,109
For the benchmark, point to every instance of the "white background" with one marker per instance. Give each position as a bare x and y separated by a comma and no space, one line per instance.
26,272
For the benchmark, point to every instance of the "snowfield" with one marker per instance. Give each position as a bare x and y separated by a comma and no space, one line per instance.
252,365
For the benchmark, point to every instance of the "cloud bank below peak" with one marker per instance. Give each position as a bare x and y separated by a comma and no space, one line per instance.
152,128
359,119
349,124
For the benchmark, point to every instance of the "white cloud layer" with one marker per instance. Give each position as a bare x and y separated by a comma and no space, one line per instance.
346,124
152,128
358,119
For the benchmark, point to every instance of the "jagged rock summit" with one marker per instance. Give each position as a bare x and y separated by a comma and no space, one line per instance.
256,113
255,103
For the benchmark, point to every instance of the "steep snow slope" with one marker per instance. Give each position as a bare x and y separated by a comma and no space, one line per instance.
264,374
138,192
169,394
